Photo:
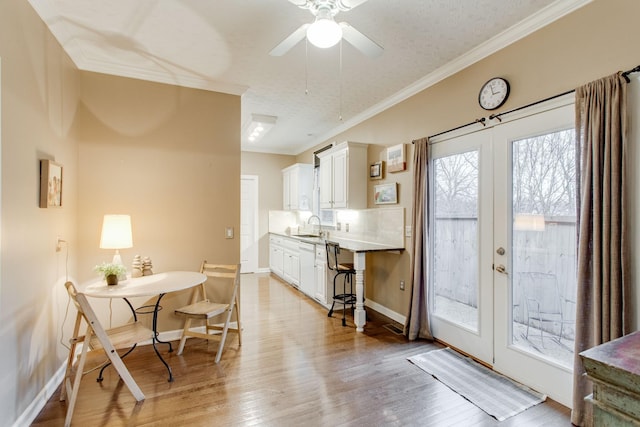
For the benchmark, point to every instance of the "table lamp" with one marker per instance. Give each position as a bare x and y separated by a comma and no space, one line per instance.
116,234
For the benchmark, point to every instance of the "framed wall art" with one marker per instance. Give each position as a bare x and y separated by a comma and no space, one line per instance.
385,194
396,161
375,170
50,184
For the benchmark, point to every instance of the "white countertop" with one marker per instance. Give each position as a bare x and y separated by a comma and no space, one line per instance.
348,244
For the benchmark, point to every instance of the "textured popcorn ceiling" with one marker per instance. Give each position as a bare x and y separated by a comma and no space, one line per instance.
223,45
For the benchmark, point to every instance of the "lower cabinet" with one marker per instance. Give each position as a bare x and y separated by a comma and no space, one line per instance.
321,275
301,264
276,256
291,266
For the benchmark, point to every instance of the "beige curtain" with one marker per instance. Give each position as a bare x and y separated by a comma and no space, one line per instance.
603,279
417,324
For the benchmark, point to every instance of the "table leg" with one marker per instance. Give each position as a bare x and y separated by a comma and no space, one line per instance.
359,315
155,339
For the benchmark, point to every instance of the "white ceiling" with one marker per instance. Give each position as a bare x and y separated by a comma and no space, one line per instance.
223,45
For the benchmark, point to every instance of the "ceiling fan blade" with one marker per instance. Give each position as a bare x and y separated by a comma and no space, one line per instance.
301,3
361,42
346,5
293,39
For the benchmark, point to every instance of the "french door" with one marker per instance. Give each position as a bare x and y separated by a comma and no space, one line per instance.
502,247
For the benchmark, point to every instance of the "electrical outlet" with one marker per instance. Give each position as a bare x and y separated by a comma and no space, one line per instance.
402,285
407,231
228,233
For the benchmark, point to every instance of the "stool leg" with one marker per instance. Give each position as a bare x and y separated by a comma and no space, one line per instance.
333,297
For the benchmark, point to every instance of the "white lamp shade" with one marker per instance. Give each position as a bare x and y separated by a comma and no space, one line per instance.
324,32
116,232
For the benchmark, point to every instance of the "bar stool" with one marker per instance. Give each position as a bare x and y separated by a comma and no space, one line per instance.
346,297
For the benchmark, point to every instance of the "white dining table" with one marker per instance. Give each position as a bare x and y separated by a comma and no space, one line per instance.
158,284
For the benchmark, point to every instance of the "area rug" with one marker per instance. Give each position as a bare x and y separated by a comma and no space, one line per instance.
495,394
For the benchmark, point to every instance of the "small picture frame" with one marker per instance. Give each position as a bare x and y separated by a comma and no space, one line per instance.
396,161
375,170
385,194
50,184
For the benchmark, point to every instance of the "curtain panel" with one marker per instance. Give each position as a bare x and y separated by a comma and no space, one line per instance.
603,268
417,323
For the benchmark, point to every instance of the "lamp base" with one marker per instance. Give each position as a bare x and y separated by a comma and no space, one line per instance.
118,260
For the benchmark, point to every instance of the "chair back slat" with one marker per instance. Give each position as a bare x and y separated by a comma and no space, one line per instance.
333,250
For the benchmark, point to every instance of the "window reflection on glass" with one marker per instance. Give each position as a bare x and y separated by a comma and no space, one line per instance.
455,239
544,245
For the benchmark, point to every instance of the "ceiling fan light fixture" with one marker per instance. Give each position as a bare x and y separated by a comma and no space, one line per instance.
324,32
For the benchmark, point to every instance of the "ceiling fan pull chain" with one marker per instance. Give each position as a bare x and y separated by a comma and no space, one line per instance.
306,66
340,83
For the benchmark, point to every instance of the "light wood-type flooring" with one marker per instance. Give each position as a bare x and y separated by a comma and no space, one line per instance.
296,367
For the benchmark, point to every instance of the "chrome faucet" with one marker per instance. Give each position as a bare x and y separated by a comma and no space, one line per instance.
319,223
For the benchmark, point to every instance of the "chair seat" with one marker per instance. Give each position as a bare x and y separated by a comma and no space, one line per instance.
124,336
346,267
203,309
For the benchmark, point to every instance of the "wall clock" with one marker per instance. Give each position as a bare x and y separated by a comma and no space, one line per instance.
493,93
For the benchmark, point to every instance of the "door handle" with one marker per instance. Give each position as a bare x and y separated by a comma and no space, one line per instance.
501,269
500,251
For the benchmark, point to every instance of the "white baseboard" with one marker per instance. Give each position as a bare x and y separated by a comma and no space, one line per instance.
32,411
385,311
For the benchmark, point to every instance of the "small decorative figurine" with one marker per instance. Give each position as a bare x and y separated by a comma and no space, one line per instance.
146,266
136,266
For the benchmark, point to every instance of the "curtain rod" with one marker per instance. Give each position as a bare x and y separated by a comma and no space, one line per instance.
624,74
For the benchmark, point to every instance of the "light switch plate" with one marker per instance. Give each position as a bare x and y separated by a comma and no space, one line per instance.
407,231
228,233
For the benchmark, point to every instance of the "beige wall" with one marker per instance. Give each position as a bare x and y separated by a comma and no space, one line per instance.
268,168
597,40
39,94
170,158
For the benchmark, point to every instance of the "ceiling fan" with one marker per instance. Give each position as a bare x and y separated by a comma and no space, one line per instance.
325,31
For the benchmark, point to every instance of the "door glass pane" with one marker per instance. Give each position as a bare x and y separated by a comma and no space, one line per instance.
455,239
544,245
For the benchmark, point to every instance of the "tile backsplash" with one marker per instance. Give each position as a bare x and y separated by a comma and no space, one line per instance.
380,225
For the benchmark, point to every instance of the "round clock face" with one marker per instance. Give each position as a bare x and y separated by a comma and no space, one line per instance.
493,93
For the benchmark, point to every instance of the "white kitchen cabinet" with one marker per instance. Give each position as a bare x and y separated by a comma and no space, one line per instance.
321,275
343,176
297,187
291,267
284,258
276,256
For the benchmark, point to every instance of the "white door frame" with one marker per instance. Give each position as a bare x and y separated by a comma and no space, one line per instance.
251,252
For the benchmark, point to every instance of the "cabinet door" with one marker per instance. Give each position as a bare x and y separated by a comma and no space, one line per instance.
340,179
294,189
326,182
276,260
286,179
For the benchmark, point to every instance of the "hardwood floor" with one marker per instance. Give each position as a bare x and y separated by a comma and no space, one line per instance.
296,366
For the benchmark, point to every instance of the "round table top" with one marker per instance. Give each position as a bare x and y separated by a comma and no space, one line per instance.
155,284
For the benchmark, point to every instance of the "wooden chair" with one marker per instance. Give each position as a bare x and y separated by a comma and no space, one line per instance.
95,339
226,278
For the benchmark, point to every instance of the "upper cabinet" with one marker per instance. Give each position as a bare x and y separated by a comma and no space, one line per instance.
297,187
343,176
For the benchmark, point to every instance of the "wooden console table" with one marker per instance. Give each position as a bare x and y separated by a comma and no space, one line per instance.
614,369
